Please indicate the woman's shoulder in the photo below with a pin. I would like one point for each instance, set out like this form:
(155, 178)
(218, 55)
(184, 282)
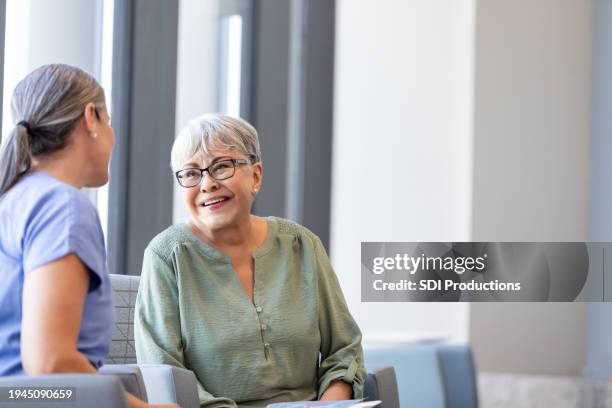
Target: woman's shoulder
(39, 195)
(295, 230)
(41, 187)
(166, 242)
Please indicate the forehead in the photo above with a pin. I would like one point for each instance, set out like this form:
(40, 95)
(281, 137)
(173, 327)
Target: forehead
(203, 159)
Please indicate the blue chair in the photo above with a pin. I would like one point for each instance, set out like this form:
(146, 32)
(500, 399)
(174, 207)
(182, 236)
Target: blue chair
(430, 375)
(458, 376)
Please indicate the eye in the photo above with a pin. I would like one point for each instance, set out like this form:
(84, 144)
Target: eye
(191, 173)
(222, 166)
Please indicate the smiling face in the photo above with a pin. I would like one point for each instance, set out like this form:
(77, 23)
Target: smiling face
(217, 204)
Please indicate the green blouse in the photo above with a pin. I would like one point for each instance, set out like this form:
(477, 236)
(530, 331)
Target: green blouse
(288, 344)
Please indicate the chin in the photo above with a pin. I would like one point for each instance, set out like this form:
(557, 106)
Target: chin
(215, 223)
(98, 181)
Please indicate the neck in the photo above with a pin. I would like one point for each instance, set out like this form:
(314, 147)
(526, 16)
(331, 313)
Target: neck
(240, 235)
(63, 166)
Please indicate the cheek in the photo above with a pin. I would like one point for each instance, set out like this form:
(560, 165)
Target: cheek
(240, 185)
(248, 196)
(242, 191)
(189, 196)
(111, 135)
(106, 142)
(109, 147)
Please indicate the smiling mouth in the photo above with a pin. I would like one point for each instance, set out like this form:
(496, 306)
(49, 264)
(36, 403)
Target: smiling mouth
(215, 201)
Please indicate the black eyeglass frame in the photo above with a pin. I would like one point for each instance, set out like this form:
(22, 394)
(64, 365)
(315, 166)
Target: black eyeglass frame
(234, 162)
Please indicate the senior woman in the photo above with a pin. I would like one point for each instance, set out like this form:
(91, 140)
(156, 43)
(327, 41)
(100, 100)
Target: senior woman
(251, 305)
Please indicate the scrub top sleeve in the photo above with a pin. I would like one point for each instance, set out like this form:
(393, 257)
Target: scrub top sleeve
(65, 223)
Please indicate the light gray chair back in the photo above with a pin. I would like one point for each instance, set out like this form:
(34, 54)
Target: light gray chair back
(125, 289)
(121, 361)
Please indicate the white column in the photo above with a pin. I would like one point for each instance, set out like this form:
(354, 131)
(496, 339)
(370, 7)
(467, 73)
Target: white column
(402, 145)
(531, 168)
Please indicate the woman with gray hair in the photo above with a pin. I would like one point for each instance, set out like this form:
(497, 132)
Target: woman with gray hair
(56, 313)
(251, 305)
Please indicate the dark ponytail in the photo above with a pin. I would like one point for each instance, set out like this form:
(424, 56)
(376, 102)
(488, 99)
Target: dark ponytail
(46, 105)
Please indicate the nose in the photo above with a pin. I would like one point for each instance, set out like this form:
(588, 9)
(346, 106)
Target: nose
(208, 184)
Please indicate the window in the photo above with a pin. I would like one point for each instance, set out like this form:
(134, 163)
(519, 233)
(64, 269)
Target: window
(73, 32)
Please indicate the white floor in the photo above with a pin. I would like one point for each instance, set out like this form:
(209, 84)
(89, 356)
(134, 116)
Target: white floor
(532, 391)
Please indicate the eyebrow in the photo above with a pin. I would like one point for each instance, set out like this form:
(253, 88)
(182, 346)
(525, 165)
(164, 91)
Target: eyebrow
(192, 165)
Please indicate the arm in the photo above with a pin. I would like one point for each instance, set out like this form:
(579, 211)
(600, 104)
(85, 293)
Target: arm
(157, 328)
(53, 300)
(337, 391)
(341, 372)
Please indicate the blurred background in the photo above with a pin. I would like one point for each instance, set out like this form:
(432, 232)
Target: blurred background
(387, 120)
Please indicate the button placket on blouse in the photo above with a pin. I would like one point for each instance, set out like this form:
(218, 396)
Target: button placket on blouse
(259, 311)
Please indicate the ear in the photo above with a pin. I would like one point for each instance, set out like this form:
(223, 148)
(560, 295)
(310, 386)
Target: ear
(257, 177)
(91, 118)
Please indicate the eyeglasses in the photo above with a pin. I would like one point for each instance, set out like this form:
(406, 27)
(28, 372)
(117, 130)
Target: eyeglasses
(221, 170)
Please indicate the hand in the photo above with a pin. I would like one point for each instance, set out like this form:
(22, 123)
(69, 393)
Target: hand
(338, 390)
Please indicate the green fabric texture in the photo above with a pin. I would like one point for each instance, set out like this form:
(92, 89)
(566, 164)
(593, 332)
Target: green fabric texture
(288, 344)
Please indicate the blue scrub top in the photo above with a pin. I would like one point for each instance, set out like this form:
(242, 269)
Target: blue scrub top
(43, 220)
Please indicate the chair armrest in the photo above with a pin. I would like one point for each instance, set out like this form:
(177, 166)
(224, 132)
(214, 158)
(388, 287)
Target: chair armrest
(130, 377)
(169, 384)
(381, 384)
(90, 390)
(417, 369)
(459, 376)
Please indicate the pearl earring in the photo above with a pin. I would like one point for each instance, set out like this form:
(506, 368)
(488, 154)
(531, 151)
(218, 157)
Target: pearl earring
(94, 135)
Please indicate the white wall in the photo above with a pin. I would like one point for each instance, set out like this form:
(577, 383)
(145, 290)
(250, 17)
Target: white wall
(40, 32)
(65, 31)
(532, 120)
(402, 144)
(529, 338)
(531, 168)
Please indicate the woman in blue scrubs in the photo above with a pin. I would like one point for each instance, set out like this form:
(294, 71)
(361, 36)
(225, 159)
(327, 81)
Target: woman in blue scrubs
(56, 313)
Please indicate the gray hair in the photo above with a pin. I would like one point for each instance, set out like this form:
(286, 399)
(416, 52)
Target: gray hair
(214, 131)
(45, 106)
